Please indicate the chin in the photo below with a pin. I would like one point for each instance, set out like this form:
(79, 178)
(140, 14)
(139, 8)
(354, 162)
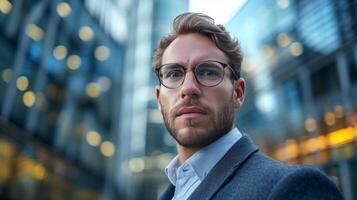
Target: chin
(190, 137)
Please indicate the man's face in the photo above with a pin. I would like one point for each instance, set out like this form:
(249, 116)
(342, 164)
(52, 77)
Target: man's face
(196, 115)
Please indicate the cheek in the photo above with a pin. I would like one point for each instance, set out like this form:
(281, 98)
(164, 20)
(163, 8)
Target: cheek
(220, 97)
(167, 102)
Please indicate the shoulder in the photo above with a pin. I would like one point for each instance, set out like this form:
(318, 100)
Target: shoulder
(261, 177)
(254, 178)
(305, 183)
(259, 165)
(246, 173)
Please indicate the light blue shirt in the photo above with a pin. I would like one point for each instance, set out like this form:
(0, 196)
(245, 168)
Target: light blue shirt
(191, 173)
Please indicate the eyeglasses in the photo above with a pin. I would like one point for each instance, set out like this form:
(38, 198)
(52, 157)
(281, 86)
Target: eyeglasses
(207, 73)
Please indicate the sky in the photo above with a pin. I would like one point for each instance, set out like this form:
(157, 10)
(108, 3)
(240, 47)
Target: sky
(220, 10)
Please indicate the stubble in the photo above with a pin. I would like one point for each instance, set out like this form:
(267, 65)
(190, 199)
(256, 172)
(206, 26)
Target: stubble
(200, 133)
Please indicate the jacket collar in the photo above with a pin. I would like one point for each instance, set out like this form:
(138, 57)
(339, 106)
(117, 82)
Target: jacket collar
(225, 168)
(221, 172)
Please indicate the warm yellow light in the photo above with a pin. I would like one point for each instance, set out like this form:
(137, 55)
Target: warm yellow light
(279, 154)
(310, 124)
(104, 83)
(73, 62)
(6, 149)
(29, 98)
(291, 148)
(92, 90)
(34, 32)
(93, 138)
(25, 166)
(107, 148)
(163, 159)
(340, 137)
(39, 172)
(330, 118)
(248, 65)
(22, 83)
(60, 52)
(64, 9)
(137, 165)
(86, 33)
(268, 51)
(296, 49)
(311, 145)
(6, 75)
(303, 147)
(283, 40)
(5, 6)
(339, 111)
(102, 53)
(314, 144)
(5, 173)
(321, 142)
(282, 3)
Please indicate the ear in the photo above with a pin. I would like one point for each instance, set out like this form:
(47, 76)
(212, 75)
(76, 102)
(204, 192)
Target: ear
(239, 92)
(157, 88)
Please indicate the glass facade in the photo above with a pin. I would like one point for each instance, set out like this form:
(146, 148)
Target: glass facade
(77, 106)
(300, 67)
(160, 147)
(60, 75)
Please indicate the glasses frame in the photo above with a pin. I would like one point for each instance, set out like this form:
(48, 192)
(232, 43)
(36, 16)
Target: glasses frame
(224, 65)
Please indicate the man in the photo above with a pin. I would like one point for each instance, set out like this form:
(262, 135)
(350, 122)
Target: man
(198, 66)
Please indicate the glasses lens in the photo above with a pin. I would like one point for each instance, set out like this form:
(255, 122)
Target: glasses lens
(209, 73)
(171, 75)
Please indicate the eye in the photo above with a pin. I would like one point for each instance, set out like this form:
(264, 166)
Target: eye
(173, 74)
(209, 71)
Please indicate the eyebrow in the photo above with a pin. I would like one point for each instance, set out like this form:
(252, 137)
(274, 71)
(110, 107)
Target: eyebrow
(194, 64)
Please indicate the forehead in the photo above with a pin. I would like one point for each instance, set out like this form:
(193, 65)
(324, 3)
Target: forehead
(192, 48)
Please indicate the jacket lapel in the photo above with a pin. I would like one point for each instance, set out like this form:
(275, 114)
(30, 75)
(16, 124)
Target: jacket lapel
(224, 169)
(169, 193)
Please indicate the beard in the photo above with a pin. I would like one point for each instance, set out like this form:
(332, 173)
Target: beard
(201, 133)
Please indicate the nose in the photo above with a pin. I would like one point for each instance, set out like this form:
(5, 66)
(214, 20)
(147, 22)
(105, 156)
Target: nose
(190, 87)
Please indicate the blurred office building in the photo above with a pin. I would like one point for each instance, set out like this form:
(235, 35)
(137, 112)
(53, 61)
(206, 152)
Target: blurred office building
(75, 88)
(151, 147)
(61, 78)
(301, 70)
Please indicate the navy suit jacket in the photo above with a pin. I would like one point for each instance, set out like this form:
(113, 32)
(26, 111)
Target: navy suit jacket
(245, 173)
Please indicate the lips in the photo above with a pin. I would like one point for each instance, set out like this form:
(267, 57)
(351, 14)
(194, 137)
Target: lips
(190, 110)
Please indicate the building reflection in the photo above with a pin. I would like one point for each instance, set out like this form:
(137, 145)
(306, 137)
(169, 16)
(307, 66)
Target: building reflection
(301, 68)
(74, 103)
(60, 72)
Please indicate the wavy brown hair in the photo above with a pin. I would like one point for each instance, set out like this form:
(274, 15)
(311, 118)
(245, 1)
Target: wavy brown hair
(202, 24)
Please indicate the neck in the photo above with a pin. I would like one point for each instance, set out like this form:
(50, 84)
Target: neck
(185, 153)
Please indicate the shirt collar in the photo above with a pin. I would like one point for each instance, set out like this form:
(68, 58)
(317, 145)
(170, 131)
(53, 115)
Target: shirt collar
(171, 170)
(205, 159)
